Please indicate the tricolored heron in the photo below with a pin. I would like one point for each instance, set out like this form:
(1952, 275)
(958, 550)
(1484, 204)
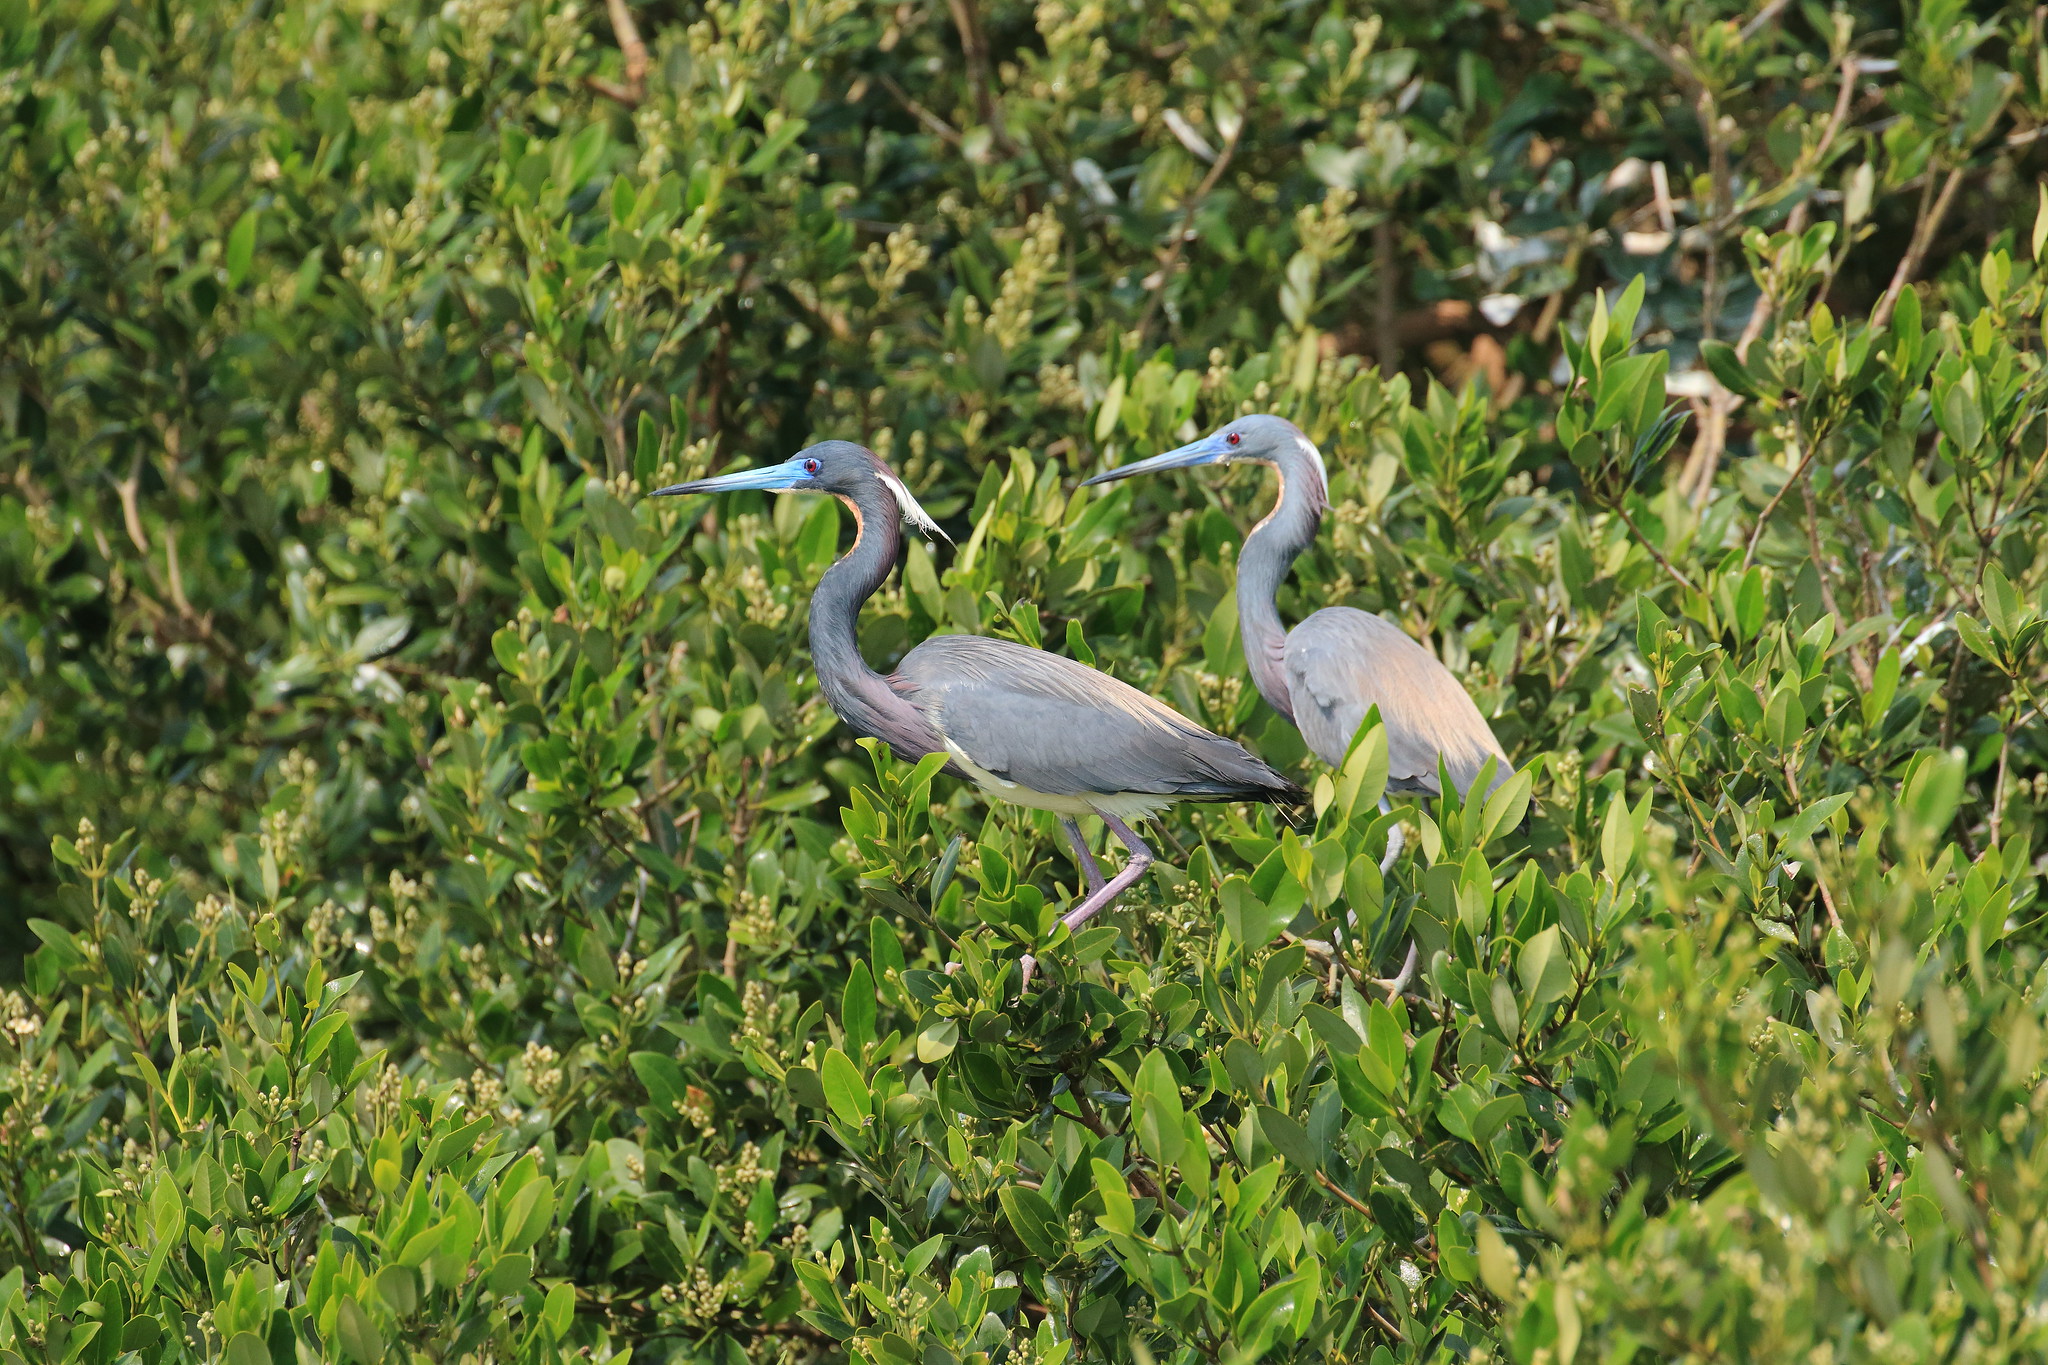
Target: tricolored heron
(1326, 673)
(1027, 727)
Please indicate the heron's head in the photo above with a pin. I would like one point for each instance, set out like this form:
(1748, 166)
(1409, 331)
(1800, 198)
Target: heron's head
(1261, 438)
(839, 467)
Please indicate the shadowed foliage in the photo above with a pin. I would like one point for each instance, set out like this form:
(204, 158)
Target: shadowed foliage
(441, 921)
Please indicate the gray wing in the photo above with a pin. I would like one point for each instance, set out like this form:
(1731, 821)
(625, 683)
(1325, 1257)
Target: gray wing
(1056, 726)
(1341, 662)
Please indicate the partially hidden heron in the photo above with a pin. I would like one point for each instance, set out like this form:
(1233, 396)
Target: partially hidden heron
(1027, 727)
(1326, 673)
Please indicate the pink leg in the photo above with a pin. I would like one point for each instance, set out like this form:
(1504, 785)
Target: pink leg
(1101, 898)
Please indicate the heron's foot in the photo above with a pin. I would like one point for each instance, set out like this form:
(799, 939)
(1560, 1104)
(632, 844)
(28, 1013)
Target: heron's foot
(1030, 966)
(1397, 839)
(1398, 982)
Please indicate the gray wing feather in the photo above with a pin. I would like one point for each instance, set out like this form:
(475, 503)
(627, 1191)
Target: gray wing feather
(1057, 726)
(1341, 662)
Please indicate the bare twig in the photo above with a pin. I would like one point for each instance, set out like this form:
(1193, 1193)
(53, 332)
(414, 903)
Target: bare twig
(1171, 258)
(1349, 1198)
(974, 47)
(1680, 579)
(1708, 110)
(1998, 794)
(1763, 518)
(1796, 222)
(1857, 663)
(1762, 18)
(919, 112)
(1140, 1179)
(1928, 224)
(1386, 339)
(178, 599)
(635, 53)
(131, 513)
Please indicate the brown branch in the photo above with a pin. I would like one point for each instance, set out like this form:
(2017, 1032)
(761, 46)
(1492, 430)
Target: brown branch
(1796, 223)
(1857, 663)
(1386, 340)
(1171, 258)
(1998, 792)
(1350, 1199)
(974, 47)
(635, 53)
(1763, 517)
(131, 513)
(1141, 1181)
(1761, 18)
(1655, 553)
(919, 112)
(1916, 250)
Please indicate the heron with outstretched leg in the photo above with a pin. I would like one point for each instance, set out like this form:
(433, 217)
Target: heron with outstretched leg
(1025, 726)
(1340, 662)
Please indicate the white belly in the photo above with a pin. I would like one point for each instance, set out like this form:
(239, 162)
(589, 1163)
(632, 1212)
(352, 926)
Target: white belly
(1125, 806)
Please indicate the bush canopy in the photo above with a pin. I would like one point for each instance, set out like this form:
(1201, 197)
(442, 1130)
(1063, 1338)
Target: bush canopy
(443, 922)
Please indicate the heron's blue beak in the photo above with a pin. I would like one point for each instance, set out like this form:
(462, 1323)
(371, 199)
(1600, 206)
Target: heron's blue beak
(773, 478)
(1209, 450)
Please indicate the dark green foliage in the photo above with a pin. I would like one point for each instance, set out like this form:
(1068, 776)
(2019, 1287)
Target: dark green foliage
(442, 921)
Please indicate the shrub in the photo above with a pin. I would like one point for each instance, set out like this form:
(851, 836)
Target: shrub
(451, 927)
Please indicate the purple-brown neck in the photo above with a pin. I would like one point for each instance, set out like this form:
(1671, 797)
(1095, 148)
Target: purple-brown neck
(856, 693)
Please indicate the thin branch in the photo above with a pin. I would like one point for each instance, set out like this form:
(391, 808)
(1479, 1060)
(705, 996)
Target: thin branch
(1171, 259)
(1620, 506)
(1857, 663)
(1796, 223)
(131, 513)
(1763, 518)
(1762, 18)
(1350, 1199)
(974, 47)
(1386, 337)
(919, 112)
(1998, 792)
(1916, 250)
(635, 53)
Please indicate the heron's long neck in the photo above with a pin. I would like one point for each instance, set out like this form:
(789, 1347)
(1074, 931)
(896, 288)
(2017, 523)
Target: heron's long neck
(857, 694)
(1268, 551)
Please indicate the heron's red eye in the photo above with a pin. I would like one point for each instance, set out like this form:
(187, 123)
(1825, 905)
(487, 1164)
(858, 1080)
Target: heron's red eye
(810, 466)
(1234, 438)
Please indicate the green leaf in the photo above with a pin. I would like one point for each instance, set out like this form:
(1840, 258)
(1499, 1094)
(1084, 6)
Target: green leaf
(1977, 640)
(1289, 1139)
(1726, 367)
(358, 1336)
(1119, 1214)
(246, 1348)
(845, 1091)
(1802, 826)
(1252, 922)
(1155, 1097)
(1497, 1264)
(559, 1311)
(1037, 1225)
(857, 1008)
(1544, 966)
(241, 249)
